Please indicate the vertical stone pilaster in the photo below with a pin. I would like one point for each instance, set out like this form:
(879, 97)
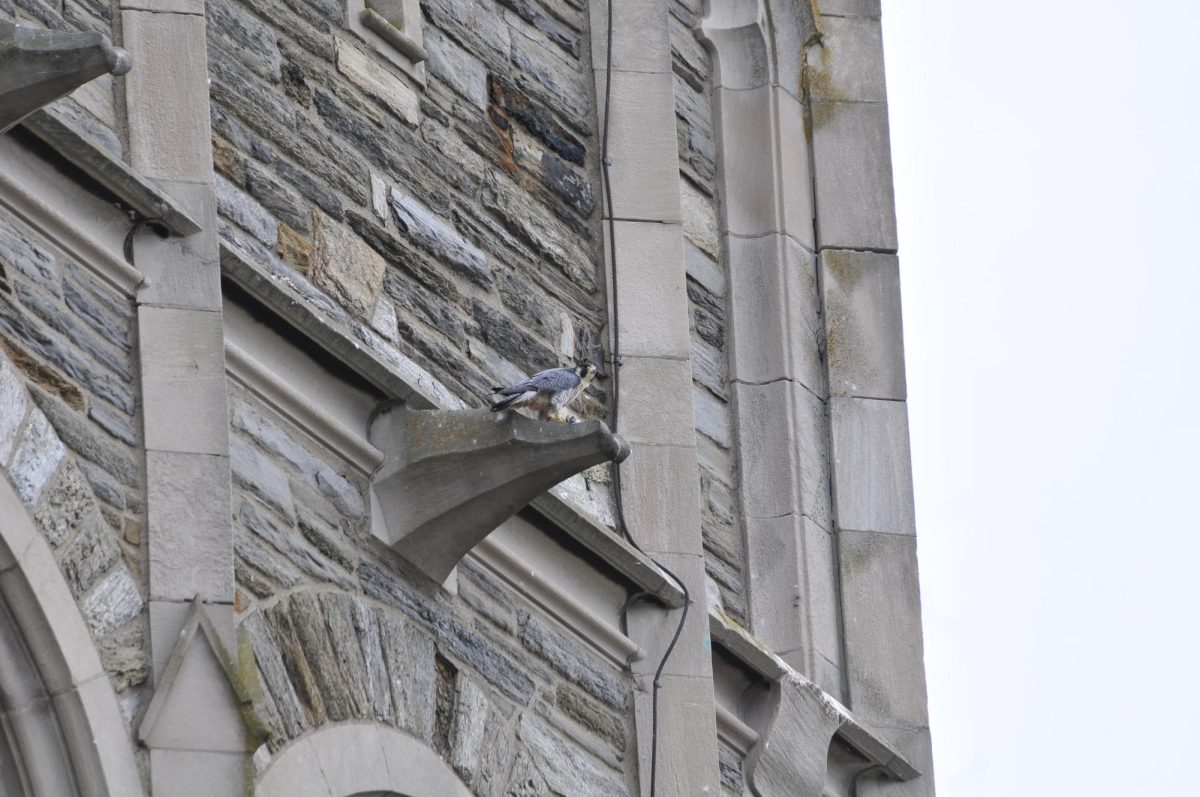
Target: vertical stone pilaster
(776, 332)
(868, 419)
(189, 535)
(660, 487)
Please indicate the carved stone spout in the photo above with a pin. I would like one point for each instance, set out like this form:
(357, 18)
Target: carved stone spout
(451, 477)
(39, 66)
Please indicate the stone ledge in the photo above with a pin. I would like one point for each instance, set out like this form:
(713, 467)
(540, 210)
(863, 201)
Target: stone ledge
(138, 192)
(758, 657)
(407, 381)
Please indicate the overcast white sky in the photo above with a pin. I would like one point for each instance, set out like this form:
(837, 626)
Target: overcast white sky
(1047, 162)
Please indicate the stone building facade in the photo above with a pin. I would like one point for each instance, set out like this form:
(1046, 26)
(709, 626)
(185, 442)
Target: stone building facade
(259, 270)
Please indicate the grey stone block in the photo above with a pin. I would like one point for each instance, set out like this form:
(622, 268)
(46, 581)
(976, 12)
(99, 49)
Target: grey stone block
(67, 505)
(392, 93)
(565, 768)
(114, 602)
(865, 347)
(872, 470)
(192, 773)
(775, 312)
(253, 41)
(570, 660)
(853, 176)
(555, 76)
(645, 170)
(92, 552)
(190, 536)
(460, 70)
(438, 238)
(847, 66)
(783, 450)
(14, 403)
(712, 416)
(36, 458)
(881, 610)
(366, 627)
(409, 656)
(183, 380)
(169, 134)
(469, 730)
(287, 545)
(243, 210)
(651, 289)
(257, 474)
(274, 674)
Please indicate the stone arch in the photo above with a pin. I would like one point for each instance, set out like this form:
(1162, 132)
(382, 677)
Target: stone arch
(62, 731)
(362, 759)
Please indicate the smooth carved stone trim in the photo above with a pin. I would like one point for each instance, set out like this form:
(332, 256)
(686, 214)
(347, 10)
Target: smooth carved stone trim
(39, 66)
(259, 380)
(795, 696)
(559, 604)
(62, 667)
(37, 210)
(451, 477)
(143, 196)
(198, 629)
(359, 758)
(735, 733)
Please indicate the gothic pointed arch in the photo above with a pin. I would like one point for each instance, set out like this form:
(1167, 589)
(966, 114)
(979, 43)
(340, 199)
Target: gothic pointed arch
(61, 731)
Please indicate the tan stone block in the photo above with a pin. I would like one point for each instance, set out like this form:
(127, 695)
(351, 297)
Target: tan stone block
(183, 380)
(652, 288)
(872, 466)
(347, 268)
(376, 80)
(190, 534)
(656, 402)
(641, 36)
(643, 147)
(662, 504)
(166, 96)
(865, 334)
(294, 249)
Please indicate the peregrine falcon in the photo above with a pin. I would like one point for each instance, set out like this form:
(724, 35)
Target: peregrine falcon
(547, 392)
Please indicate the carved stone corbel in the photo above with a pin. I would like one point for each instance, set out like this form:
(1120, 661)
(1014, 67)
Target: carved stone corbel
(39, 66)
(449, 478)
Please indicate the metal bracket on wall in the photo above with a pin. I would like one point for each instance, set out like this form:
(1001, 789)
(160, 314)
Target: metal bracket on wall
(450, 477)
(39, 66)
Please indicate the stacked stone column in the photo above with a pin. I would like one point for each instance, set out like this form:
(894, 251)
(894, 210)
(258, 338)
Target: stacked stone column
(660, 486)
(189, 539)
(868, 420)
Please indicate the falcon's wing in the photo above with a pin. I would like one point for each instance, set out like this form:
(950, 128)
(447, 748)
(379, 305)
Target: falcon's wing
(551, 381)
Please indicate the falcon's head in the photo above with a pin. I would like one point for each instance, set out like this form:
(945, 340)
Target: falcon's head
(586, 372)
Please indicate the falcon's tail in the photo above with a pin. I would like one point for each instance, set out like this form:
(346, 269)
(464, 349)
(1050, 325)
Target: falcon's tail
(505, 402)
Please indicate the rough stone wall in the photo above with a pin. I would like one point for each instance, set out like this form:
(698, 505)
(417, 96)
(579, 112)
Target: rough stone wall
(67, 357)
(458, 220)
(342, 629)
(706, 286)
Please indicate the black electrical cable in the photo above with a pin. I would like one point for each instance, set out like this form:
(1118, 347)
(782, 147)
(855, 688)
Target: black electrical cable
(616, 338)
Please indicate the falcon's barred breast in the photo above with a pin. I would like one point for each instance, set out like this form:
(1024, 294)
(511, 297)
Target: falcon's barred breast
(546, 392)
